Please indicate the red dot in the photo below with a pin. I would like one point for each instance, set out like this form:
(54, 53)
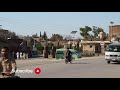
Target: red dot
(37, 70)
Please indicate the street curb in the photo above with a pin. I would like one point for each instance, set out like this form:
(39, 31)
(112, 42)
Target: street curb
(79, 58)
(53, 59)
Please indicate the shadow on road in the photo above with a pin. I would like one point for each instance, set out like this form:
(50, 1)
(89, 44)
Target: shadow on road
(115, 63)
(79, 63)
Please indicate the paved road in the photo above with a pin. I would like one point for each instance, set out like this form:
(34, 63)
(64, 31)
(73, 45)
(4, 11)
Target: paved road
(92, 67)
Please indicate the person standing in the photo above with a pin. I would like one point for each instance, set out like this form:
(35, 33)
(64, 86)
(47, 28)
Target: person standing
(18, 55)
(7, 64)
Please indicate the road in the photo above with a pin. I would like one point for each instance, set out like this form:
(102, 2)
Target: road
(90, 67)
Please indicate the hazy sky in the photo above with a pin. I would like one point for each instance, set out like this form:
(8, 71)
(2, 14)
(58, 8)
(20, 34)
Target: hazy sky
(28, 23)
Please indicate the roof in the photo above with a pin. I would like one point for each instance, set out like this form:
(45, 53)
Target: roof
(94, 42)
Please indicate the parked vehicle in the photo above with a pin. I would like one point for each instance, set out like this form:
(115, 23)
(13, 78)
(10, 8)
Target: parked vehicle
(60, 54)
(112, 53)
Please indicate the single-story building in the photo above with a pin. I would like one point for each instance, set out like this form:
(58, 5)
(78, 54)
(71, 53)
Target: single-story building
(93, 47)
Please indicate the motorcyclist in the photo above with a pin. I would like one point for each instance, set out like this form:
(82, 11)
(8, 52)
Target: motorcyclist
(68, 55)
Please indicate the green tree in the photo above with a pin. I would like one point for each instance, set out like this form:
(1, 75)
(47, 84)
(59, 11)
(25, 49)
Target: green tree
(96, 31)
(5, 34)
(44, 36)
(30, 41)
(40, 34)
(39, 46)
(50, 45)
(56, 37)
(84, 32)
(106, 36)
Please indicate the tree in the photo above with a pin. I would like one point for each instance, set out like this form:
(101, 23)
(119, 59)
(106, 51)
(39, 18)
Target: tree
(50, 45)
(84, 32)
(5, 34)
(44, 35)
(12, 35)
(90, 37)
(97, 30)
(39, 46)
(106, 36)
(56, 37)
(40, 34)
(30, 41)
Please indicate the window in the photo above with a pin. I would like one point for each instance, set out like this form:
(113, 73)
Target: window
(59, 52)
(113, 48)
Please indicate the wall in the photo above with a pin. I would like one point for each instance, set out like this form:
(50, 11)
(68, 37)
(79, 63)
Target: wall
(114, 31)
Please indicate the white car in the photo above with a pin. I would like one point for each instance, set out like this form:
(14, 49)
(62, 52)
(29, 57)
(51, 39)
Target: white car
(112, 53)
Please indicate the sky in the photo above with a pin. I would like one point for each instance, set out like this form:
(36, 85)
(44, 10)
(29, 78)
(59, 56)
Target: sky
(63, 23)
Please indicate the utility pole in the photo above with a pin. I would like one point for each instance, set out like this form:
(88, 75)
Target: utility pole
(73, 36)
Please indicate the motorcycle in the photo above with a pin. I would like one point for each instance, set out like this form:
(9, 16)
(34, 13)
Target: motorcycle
(68, 60)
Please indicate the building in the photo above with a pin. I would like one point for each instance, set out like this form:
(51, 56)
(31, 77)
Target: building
(38, 39)
(93, 47)
(114, 31)
(3, 31)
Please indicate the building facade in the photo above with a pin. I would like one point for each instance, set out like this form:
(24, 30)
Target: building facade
(114, 31)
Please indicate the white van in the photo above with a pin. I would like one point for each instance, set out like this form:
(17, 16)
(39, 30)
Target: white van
(112, 53)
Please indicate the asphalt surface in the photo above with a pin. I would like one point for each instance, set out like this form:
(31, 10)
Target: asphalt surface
(89, 67)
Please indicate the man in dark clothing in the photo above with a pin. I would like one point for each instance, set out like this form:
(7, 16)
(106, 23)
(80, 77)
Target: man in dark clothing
(68, 55)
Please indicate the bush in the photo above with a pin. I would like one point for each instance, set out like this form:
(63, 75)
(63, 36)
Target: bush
(39, 46)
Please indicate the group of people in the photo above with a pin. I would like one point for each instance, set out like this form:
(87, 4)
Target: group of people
(20, 55)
